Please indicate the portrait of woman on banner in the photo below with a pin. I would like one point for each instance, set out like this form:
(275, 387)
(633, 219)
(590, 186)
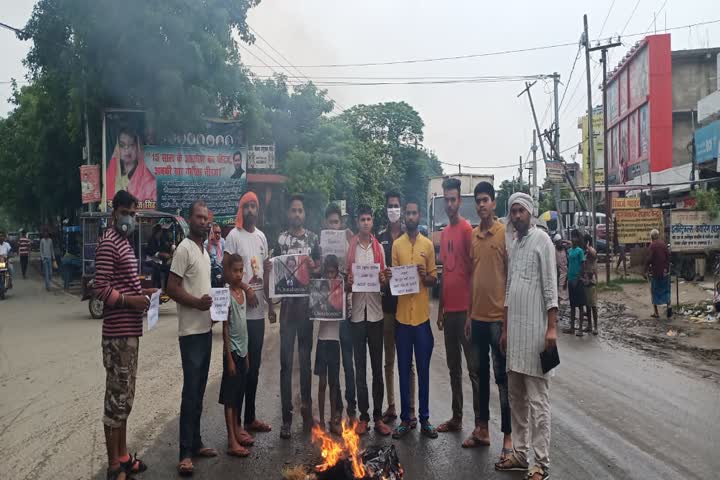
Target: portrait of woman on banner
(127, 170)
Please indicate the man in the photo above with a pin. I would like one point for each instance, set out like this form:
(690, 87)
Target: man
(561, 259)
(250, 243)
(117, 284)
(529, 328)
(5, 250)
(619, 250)
(160, 246)
(24, 245)
(576, 288)
(455, 240)
(389, 303)
(658, 267)
(295, 320)
(215, 245)
(47, 253)
(189, 286)
(237, 163)
(366, 324)
(487, 311)
(333, 221)
(413, 332)
(589, 274)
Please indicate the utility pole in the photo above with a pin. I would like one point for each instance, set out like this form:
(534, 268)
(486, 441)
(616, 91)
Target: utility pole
(520, 172)
(608, 211)
(535, 192)
(556, 141)
(591, 147)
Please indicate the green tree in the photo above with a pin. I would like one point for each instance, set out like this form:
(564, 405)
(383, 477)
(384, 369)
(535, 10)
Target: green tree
(503, 193)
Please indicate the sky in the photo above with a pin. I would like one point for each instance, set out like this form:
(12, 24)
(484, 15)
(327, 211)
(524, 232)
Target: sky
(480, 125)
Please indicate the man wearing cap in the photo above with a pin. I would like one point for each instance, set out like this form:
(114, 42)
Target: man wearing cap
(529, 328)
(251, 244)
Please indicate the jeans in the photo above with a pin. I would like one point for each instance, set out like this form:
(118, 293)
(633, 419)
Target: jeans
(456, 344)
(389, 334)
(368, 335)
(486, 338)
(294, 322)
(195, 351)
(47, 271)
(256, 338)
(346, 344)
(24, 265)
(420, 340)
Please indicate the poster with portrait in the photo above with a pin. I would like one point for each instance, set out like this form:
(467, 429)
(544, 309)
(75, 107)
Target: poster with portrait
(327, 299)
(124, 135)
(290, 276)
(90, 183)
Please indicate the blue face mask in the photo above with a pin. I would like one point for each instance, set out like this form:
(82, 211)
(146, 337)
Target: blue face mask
(126, 224)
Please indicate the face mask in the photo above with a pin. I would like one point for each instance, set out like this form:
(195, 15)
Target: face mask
(393, 214)
(126, 224)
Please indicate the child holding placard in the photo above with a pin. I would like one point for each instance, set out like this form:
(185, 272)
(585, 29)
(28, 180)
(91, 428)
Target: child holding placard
(235, 361)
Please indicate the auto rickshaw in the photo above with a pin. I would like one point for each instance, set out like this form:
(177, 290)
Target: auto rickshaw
(94, 224)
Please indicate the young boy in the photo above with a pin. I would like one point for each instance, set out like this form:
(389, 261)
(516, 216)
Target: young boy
(235, 360)
(327, 357)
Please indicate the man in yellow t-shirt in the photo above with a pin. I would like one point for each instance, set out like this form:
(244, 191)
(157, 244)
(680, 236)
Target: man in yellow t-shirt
(413, 330)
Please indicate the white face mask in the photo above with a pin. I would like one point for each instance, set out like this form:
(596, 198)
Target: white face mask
(393, 214)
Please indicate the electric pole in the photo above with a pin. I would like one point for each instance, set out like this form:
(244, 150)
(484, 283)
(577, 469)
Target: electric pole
(608, 211)
(556, 186)
(591, 147)
(535, 192)
(520, 172)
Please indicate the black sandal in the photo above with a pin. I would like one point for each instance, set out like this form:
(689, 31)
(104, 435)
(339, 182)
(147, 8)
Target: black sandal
(134, 465)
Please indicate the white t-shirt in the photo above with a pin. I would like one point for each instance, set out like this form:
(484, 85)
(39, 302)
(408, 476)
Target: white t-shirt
(328, 330)
(192, 264)
(5, 249)
(253, 247)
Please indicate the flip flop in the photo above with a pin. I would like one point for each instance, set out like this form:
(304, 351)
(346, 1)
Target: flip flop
(449, 426)
(511, 464)
(185, 468)
(239, 452)
(206, 452)
(473, 442)
(258, 426)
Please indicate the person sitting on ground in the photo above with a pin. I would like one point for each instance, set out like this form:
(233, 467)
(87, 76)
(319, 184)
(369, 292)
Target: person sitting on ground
(235, 360)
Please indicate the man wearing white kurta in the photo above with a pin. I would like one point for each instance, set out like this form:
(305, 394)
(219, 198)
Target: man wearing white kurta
(530, 327)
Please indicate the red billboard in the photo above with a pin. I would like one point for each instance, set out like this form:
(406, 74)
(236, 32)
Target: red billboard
(639, 107)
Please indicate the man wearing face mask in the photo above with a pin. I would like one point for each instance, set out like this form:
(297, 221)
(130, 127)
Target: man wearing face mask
(389, 306)
(118, 286)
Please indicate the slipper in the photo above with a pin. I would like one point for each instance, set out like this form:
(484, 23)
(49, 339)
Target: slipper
(239, 452)
(389, 417)
(258, 426)
(511, 464)
(185, 468)
(450, 426)
(413, 423)
(473, 442)
(206, 452)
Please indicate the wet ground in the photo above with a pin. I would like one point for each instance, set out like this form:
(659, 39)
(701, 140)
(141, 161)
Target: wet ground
(617, 412)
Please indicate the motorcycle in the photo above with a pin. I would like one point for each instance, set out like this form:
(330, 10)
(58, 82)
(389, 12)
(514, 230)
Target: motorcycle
(5, 280)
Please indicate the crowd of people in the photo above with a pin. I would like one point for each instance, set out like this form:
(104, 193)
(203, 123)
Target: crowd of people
(498, 304)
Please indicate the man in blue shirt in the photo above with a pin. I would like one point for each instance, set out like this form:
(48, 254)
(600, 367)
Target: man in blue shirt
(576, 288)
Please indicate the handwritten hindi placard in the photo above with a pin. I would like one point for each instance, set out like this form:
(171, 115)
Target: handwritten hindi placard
(405, 280)
(153, 311)
(220, 304)
(366, 278)
(334, 242)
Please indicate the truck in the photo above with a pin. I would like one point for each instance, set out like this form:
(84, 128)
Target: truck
(437, 218)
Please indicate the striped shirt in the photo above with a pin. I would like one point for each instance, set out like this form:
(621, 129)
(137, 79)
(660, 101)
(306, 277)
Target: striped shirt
(531, 292)
(116, 274)
(24, 247)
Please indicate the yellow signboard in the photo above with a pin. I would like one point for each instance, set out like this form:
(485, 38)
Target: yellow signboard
(599, 176)
(626, 203)
(634, 226)
(598, 144)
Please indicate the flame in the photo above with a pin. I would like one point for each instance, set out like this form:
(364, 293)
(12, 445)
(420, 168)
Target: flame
(332, 452)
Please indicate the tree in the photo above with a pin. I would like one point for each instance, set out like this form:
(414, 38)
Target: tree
(391, 123)
(503, 193)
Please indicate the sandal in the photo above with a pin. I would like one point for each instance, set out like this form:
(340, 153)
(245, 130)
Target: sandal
(428, 430)
(134, 465)
(205, 452)
(413, 423)
(473, 442)
(185, 468)
(389, 417)
(240, 452)
(511, 464)
(258, 426)
(452, 425)
(654, 316)
(537, 471)
(285, 431)
(401, 430)
(505, 453)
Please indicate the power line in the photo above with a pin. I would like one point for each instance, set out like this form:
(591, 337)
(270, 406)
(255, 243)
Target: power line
(474, 167)
(632, 14)
(567, 84)
(606, 18)
(655, 16)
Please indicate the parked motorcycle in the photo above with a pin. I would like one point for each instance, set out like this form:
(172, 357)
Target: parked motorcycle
(5, 280)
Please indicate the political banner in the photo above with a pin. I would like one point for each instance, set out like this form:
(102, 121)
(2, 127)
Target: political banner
(90, 183)
(123, 160)
(634, 226)
(290, 276)
(327, 299)
(694, 231)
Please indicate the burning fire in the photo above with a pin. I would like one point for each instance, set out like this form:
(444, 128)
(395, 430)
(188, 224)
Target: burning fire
(332, 452)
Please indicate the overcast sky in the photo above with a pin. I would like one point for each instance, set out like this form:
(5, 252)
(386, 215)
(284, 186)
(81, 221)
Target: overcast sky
(482, 125)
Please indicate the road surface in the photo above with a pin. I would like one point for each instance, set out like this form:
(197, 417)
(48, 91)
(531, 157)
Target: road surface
(616, 413)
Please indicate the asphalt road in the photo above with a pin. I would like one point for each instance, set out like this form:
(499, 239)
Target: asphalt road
(616, 413)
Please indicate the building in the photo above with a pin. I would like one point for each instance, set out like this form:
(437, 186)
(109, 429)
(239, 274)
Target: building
(598, 147)
(707, 136)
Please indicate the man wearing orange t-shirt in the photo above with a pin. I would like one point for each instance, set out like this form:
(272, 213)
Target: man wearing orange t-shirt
(454, 301)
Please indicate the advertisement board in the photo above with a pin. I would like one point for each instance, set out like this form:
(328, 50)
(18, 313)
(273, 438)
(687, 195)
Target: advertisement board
(634, 226)
(626, 203)
(90, 183)
(693, 231)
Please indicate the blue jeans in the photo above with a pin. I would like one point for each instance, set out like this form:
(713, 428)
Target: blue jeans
(420, 340)
(195, 352)
(47, 271)
(346, 344)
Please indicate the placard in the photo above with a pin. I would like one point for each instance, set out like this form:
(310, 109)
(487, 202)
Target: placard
(327, 299)
(693, 231)
(290, 276)
(366, 278)
(153, 313)
(405, 280)
(220, 304)
(334, 242)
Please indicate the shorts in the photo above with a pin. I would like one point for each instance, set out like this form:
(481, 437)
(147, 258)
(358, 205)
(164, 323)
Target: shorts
(232, 389)
(327, 359)
(120, 359)
(591, 295)
(576, 292)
